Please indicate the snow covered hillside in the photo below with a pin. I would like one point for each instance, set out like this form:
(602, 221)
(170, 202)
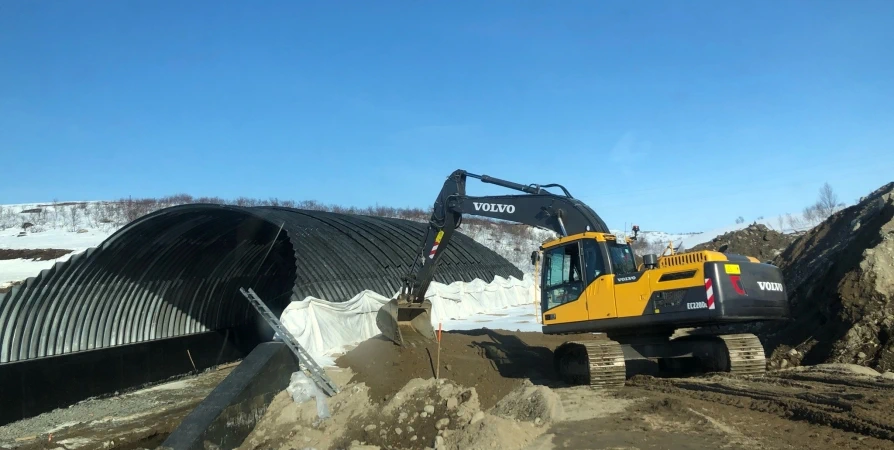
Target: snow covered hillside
(79, 225)
(74, 226)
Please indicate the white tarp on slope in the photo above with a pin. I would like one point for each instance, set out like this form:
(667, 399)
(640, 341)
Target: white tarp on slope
(324, 328)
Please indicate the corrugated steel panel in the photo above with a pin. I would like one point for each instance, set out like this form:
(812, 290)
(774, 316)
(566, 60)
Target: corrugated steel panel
(178, 272)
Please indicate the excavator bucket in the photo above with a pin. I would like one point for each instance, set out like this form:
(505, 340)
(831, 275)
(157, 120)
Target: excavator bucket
(406, 323)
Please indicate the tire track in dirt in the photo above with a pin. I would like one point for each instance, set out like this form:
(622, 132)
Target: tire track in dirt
(808, 378)
(854, 406)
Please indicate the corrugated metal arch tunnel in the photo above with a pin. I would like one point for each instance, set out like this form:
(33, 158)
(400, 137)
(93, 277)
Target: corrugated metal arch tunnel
(178, 271)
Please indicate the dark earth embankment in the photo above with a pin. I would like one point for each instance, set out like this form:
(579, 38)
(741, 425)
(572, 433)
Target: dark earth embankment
(840, 280)
(755, 240)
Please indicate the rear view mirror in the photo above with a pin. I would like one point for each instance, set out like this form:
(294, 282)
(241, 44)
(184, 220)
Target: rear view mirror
(535, 257)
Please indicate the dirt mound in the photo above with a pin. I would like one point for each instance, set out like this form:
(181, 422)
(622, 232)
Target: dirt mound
(495, 362)
(829, 406)
(40, 254)
(840, 279)
(423, 413)
(530, 403)
(286, 422)
(417, 415)
(755, 240)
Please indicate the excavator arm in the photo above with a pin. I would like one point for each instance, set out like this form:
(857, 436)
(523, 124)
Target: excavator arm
(563, 214)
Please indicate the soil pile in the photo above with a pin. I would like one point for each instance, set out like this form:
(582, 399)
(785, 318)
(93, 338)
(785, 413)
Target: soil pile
(840, 280)
(495, 362)
(829, 406)
(755, 240)
(424, 413)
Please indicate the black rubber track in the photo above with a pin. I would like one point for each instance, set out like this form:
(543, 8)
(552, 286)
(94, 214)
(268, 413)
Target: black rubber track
(178, 272)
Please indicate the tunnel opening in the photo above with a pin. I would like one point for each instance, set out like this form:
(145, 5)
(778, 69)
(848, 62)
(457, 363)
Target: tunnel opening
(179, 274)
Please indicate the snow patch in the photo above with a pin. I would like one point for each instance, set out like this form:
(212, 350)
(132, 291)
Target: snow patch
(60, 239)
(325, 329)
(515, 318)
(13, 270)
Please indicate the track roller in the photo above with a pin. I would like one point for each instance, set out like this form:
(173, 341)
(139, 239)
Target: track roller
(745, 354)
(597, 363)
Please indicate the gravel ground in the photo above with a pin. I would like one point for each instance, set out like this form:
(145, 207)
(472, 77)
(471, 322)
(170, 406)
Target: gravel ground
(138, 419)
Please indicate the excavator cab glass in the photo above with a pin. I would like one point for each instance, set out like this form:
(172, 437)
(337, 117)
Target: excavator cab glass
(593, 260)
(622, 258)
(562, 275)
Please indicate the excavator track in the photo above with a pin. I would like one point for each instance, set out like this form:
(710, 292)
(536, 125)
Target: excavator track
(745, 353)
(599, 363)
(739, 354)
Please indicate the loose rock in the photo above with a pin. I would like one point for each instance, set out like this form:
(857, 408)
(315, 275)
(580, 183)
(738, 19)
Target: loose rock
(841, 290)
(442, 423)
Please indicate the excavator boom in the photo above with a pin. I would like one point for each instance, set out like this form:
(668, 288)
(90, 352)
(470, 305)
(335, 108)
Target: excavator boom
(407, 317)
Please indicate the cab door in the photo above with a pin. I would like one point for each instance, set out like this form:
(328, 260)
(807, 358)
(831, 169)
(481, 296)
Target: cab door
(631, 286)
(600, 292)
(562, 285)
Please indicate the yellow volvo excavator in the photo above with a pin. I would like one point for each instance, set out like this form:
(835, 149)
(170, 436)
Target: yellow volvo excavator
(591, 283)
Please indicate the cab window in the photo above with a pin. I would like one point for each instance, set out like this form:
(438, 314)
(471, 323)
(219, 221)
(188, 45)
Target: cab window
(562, 275)
(593, 261)
(623, 261)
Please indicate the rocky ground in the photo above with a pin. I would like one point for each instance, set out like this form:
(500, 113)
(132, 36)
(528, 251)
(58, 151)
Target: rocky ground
(840, 281)
(829, 406)
(135, 420)
(825, 406)
(754, 240)
(839, 277)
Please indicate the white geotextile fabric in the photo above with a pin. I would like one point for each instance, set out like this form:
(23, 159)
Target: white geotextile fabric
(324, 328)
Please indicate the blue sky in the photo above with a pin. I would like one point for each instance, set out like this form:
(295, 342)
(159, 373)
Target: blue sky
(678, 115)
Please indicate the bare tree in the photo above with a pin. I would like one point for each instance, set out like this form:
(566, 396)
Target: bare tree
(809, 214)
(793, 221)
(55, 212)
(828, 200)
(74, 218)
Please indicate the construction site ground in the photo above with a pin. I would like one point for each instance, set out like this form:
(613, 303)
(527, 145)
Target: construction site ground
(390, 399)
(141, 419)
(497, 389)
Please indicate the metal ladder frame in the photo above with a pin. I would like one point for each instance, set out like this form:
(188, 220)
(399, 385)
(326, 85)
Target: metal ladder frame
(311, 368)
